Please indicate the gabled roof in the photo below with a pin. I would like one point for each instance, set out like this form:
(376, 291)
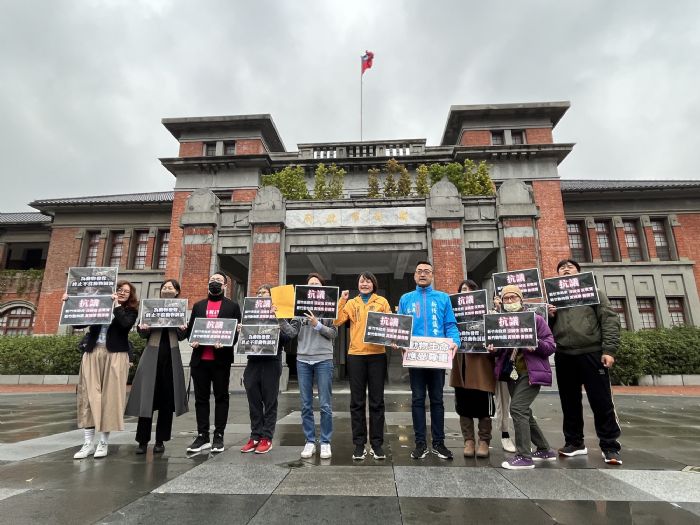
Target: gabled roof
(24, 218)
(591, 185)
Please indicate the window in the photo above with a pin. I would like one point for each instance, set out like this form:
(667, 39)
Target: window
(634, 247)
(676, 311)
(518, 137)
(577, 241)
(140, 251)
(229, 148)
(602, 231)
(658, 228)
(115, 254)
(163, 244)
(618, 305)
(497, 138)
(93, 241)
(647, 312)
(17, 321)
(210, 149)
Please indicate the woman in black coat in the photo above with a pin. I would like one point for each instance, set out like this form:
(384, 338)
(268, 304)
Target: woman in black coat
(159, 383)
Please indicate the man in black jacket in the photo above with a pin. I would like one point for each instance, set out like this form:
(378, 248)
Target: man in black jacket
(210, 366)
(587, 338)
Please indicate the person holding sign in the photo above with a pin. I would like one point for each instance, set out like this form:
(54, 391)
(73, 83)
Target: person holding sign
(366, 367)
(210, 366)
(432, 317)
(261, 380)
(159, 383)
(587, 339)
(474, 384)
(104, 368)
(525, 370)
(314, 359)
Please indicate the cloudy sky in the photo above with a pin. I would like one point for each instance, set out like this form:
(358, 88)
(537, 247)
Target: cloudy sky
(85, 83)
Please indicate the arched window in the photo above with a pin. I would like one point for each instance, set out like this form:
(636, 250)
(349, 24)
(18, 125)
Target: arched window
(17, 321)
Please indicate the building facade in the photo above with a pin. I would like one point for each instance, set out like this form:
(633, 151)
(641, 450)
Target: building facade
(636, 236)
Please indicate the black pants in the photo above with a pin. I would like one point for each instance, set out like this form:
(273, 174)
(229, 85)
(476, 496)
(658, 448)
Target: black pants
(164, 427)
(573, 371)
(367, 373)
(205, 375)
(261, 379)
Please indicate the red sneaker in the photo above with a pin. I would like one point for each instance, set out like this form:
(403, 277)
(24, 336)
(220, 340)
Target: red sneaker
(250, 446)
(264, 446)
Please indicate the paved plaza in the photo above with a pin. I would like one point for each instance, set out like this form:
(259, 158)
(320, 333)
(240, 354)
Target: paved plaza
(41, 483)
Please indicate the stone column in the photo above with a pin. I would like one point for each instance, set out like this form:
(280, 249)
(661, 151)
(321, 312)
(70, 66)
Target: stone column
(445, 214)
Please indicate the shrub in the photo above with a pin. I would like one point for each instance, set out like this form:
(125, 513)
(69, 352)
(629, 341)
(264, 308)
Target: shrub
(50, 355)
(657, 352)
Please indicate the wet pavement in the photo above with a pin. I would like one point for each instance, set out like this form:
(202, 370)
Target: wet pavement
(41, 483)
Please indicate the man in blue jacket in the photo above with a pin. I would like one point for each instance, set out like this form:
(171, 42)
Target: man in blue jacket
(432, 317)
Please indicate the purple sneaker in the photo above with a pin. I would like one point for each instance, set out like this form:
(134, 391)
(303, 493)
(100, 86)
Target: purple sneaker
(518, 462)
(544, 455)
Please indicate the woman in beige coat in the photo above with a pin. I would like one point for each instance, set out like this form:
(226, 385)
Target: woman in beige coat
(474, 383)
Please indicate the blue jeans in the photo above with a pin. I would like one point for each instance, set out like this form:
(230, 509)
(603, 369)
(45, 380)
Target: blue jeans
(323, 371)
(434, 381)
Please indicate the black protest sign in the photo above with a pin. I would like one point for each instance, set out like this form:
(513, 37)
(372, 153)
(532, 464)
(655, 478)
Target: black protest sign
(469, 306)
(258, 340)
(322, 301)
(163, 313)
(471, 333)
(83, 310)
(208, 332)
(91, 281)
(258, 311)
(527, 280)
(538, 308)
(572, 290)
(511, 330)
(387, 329)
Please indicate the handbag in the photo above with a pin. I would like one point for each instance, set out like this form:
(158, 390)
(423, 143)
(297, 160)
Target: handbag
(508, 372)
(83, 343)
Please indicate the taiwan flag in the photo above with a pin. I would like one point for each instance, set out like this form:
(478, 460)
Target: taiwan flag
(367, 61)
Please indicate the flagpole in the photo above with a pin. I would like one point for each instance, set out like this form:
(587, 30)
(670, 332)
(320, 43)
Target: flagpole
(361, 86)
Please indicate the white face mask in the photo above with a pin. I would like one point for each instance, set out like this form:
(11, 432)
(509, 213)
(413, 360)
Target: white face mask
(512, 307)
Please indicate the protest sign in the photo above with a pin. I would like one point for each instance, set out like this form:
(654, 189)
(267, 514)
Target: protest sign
(387, 329)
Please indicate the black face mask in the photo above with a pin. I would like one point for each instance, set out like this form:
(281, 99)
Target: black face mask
(216, 288)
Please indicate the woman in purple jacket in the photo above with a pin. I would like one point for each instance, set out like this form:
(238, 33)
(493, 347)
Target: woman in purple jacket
(525, 370)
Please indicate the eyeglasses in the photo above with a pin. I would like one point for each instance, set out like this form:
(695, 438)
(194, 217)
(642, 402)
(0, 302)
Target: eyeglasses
(124, 290)
(511, 298)
(423, 272)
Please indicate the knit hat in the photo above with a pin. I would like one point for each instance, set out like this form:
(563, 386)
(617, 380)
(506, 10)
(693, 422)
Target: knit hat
(511, 288)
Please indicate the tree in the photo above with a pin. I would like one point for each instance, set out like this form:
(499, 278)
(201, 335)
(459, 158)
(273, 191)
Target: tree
(477, 180)
(320, 185)
(291, 181)
(390, 189)
(336, 185)
(422, 182)
(373, 183)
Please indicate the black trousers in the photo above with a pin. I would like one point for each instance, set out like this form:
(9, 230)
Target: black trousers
(574, 371)
(164, 427)
(205, 376)
(367, 373)
(261, 379)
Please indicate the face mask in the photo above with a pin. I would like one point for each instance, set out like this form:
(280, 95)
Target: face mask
(215, 288)
(512, 307)
(168, 294)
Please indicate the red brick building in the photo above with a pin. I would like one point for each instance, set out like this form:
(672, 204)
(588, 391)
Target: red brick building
(637, 236)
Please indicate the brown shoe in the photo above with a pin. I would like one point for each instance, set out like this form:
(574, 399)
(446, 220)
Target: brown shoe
(483, 450)
(469, 449)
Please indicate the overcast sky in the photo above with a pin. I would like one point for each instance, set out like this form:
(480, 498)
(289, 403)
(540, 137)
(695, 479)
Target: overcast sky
(84, 84)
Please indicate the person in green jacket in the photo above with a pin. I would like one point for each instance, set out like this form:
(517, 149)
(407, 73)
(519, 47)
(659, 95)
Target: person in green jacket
(587, 338)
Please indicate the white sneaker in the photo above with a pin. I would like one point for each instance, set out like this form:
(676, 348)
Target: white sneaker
(88, 449)
(325, 450)
(309, 450)
(101, 450)
(507, 444)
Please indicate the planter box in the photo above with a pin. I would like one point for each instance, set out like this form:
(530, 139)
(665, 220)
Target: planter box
(9, 379)
(670, 380)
